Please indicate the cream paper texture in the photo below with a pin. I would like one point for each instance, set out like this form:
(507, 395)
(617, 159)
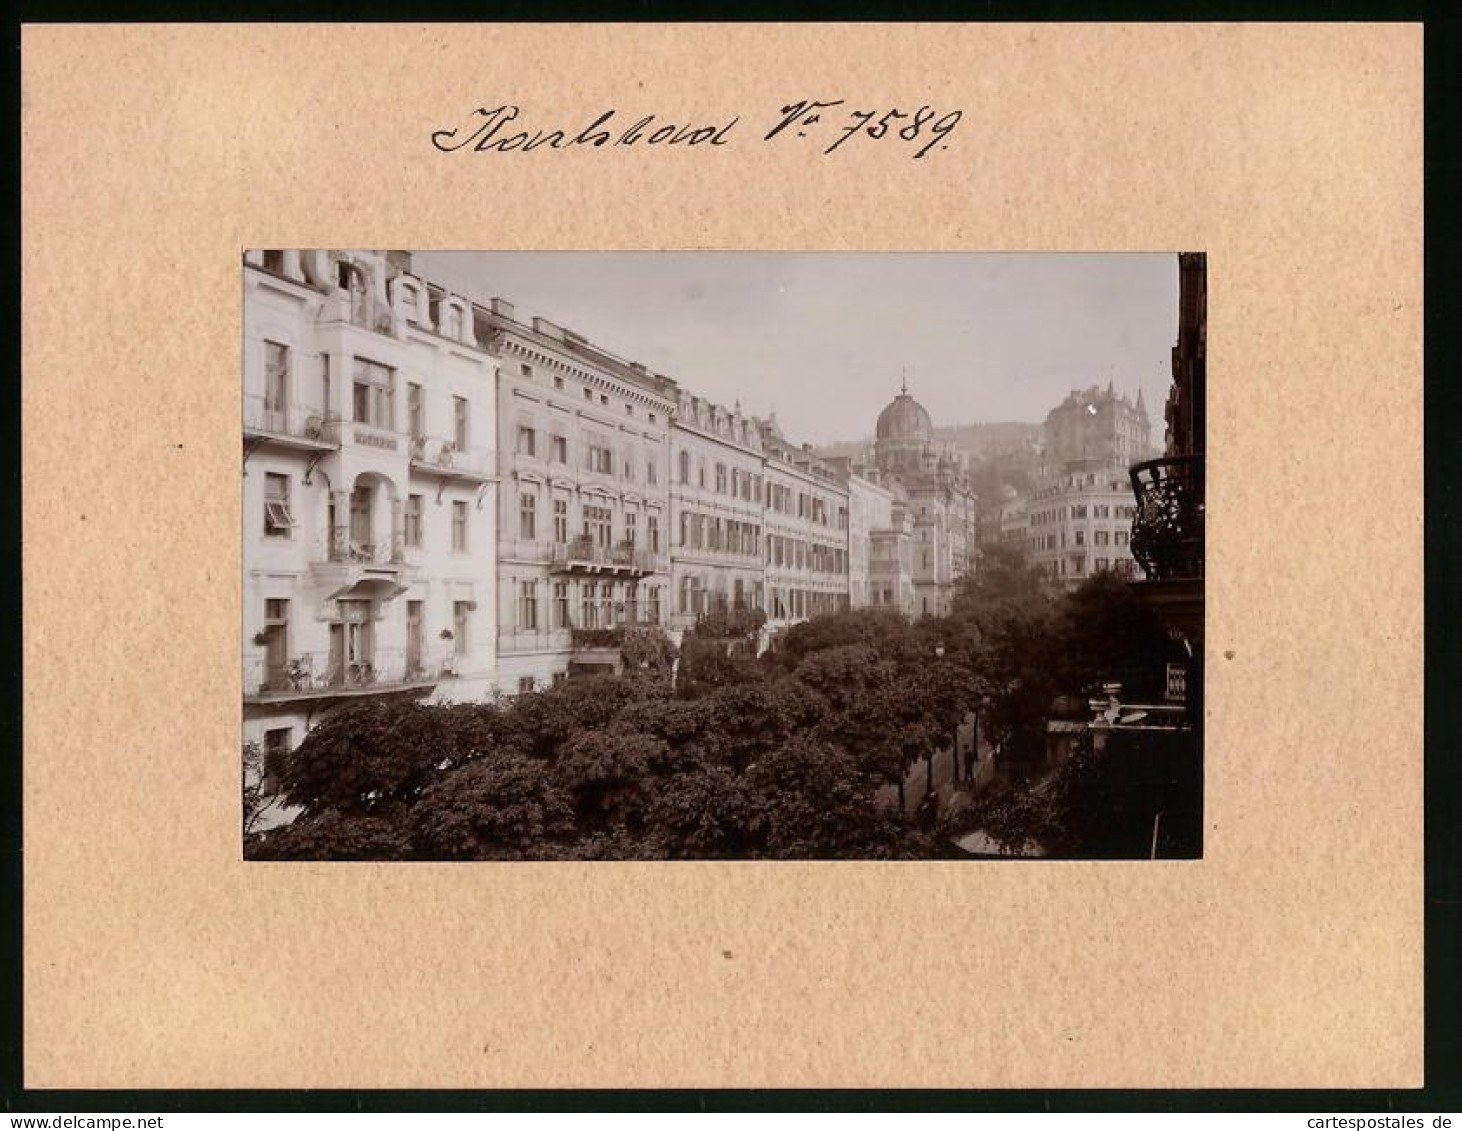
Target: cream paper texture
(1290, 956)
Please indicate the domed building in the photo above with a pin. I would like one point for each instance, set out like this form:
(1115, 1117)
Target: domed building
(932, 481)
(903, 435)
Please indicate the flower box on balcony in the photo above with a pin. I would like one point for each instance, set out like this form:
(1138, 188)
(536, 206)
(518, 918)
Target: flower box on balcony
(597, 637)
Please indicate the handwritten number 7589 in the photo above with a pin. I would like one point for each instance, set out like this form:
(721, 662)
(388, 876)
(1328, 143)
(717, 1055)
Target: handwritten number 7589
(805, 115)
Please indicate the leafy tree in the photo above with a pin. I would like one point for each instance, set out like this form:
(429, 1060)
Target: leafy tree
(500, 808)
(886, 631)
(709, 663)
(743, 721)
(681, 724)
(844, 673)
(369, 756)
(330, 835)
(1012, 614)
(704, 814)
(1107, 633)
(256, 794)
(647, 650)
(539, 722)
(614, 843)
(813, 801)
(608, 773)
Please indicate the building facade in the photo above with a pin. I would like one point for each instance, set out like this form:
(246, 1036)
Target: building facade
(1079, 523)
(1097, 427)
(584, 514)
(717, 482)
(367, 492)
(932, 479)
(806, 508)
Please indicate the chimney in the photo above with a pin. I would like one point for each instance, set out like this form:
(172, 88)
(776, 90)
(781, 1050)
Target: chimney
(502, 306)
(547, 329)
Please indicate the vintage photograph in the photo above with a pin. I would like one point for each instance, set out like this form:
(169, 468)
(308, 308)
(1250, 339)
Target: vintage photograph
(722, 555)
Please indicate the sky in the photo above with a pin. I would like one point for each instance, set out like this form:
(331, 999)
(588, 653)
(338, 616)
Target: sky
(824, 339)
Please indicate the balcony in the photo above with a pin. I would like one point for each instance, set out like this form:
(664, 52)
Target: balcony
(444, 459)
(729, 623)
(302, 427)
(582, 639)
(584, 555)
(318, 675)
(366, 570)
(1167, 540)
(1167, 532)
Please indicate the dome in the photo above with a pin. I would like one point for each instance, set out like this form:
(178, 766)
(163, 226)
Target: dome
(905, 419)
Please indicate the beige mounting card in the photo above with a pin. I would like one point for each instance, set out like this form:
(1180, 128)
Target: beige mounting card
(1290, 956)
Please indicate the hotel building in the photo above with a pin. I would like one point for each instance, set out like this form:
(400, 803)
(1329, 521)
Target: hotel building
(367, 490)
(806, 522)
(1078, 520)
(584, 516)
(717, 483)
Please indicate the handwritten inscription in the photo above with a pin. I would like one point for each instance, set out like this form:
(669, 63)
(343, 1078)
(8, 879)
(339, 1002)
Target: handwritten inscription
(804, 115)
(501, 129)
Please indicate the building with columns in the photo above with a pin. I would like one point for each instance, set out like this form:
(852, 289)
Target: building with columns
(368, 501)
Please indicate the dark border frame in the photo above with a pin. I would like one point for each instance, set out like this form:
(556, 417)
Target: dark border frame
(1443, 558)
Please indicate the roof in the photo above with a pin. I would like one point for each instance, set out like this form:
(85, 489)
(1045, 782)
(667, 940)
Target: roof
(905, 419)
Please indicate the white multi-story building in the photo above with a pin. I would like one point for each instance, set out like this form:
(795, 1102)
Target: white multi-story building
(880, 544)
(806, 528)
(870, 508)
(716, 491)
(369, 565)
(1078, 523)
(584, 518)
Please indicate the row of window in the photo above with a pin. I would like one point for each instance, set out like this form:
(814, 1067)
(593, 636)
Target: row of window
(601, 604)
(1099, 538)
(1083, 510)
(697, 597)
(1122, 567)
(596, 523)
(722, 535)
(589, 393)
(598, 454)
(752, 488)
(796, 553)
(723, 479)
(351, 637)
(373, 396)
(280, 522)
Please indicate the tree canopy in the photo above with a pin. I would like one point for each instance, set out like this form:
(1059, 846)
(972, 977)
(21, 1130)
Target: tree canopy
(786, 755)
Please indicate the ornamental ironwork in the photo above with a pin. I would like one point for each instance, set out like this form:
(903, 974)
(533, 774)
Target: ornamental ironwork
(1167, 530)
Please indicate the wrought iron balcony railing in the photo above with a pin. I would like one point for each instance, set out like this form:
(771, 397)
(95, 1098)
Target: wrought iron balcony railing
(1167, 532)
(585, 552)
(300, 422)
(444, 457)
(309, 674)
(329, 549)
